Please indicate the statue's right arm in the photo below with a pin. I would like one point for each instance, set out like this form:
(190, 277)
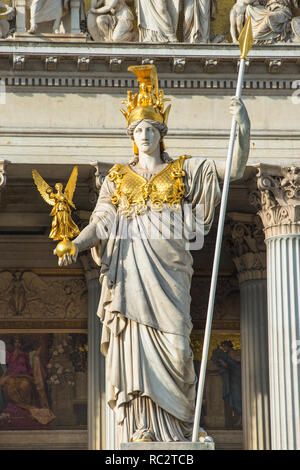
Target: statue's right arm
(100, 225)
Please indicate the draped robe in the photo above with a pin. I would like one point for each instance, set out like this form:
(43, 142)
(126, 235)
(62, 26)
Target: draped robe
(271, 22)
(157, 19)
(145, 310)
(46, 10)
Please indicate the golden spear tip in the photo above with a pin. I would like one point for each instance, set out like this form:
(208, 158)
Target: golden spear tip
(246, 39)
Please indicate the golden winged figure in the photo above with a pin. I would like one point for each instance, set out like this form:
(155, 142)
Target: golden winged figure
(63, 227)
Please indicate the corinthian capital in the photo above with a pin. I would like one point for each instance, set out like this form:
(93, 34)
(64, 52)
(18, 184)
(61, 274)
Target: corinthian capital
(245, 242)
(279, 205)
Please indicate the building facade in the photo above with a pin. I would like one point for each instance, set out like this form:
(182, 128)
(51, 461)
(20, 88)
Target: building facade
(60, 94)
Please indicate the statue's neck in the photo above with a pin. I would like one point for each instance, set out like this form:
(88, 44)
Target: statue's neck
(149, 162)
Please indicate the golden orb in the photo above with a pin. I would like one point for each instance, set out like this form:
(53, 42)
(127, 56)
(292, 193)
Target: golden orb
(65, 247)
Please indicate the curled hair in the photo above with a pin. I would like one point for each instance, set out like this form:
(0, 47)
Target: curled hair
(161, 126)
(163, 131)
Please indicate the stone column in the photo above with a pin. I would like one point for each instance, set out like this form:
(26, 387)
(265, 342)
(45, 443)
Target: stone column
(20, 6)
(75, 16)
(246, 244)
(96, 362)
(279, 198)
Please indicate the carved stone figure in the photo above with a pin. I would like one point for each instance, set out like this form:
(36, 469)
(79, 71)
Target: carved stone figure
(162, 21)
(146, 269)
(237, 18)
(4, 23)
(111, 21)
(27, 295)
(47, 10)
(197, 16)
(271, 19)
(158, 20)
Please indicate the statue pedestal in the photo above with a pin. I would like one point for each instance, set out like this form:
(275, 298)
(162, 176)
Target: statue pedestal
(167, 446)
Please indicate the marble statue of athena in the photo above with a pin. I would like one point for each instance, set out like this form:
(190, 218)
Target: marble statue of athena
(145, 295)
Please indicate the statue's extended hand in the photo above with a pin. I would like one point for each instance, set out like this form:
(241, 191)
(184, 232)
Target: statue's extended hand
(239, 111)
(67, 259)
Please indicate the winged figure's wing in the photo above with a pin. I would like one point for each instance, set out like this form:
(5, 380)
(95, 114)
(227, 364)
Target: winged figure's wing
(70, 188)
(5, 282)
(42, 187)
(34, 283)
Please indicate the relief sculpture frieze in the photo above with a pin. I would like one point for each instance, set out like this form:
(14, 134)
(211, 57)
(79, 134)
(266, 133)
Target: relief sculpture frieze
(26, 295)
(157, 21)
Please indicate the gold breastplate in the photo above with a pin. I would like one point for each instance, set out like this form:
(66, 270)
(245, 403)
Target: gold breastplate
(133, 191)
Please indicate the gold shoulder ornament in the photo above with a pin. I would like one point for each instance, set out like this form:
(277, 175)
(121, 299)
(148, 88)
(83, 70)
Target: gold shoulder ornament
(63, 227)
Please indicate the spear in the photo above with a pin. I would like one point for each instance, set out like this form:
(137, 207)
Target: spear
(246, 42)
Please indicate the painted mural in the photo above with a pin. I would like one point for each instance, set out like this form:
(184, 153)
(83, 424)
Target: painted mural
(222, 401)
(43, 381)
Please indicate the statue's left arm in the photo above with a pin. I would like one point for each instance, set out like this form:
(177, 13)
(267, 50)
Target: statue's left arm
(242, 143)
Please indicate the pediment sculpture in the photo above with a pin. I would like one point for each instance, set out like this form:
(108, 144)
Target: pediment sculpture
(272, 21)
(5, 16)
(160, 21)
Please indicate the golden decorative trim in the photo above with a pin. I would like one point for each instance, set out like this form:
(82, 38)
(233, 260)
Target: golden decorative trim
(149, 102)
(143, 440)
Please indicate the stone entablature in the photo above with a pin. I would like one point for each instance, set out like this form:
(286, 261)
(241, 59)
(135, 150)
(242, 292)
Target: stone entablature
(183, 67)
(278, 199)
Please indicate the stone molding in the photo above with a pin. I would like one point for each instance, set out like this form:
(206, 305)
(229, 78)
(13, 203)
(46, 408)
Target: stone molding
(244, 240)
(197, 67)
(187, 85)
(278, 199)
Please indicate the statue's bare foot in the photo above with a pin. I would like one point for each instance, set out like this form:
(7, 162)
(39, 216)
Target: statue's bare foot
(32, 30)
(172, 38)
(143, 435)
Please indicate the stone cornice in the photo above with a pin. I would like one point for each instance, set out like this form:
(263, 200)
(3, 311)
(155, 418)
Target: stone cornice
(244, 240)
(278, 199)
(63, 46)
(182, 67)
